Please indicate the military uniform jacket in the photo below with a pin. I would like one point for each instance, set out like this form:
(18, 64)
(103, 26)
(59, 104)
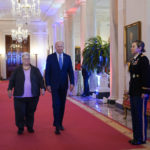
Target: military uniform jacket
(139, 75)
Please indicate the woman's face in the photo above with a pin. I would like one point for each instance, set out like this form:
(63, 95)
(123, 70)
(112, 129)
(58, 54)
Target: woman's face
(135, 49)
(26, 60)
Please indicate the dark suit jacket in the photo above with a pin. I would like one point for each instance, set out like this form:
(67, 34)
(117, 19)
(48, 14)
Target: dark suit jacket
(56, 77)
(17, 81)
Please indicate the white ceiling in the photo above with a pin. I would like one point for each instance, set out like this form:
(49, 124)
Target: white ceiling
(48, 8)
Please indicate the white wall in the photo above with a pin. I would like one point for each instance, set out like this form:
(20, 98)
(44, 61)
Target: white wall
(136, 11)
(131, 11)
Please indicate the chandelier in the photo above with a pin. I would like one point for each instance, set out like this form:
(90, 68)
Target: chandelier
(26, 9)
(20, 34)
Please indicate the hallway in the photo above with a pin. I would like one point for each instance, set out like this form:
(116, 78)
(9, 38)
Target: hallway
(85, 128)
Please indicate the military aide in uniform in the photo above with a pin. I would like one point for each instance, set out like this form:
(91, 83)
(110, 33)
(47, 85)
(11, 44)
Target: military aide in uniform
(138, 91)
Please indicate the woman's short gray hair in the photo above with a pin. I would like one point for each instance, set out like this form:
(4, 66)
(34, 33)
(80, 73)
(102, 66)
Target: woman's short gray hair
(25, 54)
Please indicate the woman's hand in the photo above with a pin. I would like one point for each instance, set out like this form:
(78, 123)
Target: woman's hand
(42, 91)
(71, 87)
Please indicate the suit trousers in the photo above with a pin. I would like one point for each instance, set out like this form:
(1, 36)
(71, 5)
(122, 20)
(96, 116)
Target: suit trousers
(24, 111)
(59, 100)
(86, 85)
(139, 119)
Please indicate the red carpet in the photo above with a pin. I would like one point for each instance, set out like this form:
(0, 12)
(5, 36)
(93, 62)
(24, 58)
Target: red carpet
(82, 130)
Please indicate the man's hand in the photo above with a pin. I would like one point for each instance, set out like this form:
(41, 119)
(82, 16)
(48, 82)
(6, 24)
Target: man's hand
(49, 89)
(144, 95)
(9, 93)
(71, 87)
(42, 91)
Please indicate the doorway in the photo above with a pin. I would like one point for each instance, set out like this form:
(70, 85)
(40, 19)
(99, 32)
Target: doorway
(14, 52)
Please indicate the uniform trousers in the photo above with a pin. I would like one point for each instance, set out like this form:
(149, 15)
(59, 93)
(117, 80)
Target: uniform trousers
(139, 119)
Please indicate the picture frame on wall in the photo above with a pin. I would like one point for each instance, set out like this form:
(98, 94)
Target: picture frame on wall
(132, 32)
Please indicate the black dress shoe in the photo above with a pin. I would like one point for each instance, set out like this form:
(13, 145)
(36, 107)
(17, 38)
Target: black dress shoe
(143, 142)
(83, 95)
(20, 131)
(30, 130)
(57, 131)
(135, 142)
(61, 128)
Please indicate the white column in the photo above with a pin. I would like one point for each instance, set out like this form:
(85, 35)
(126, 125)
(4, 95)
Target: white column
(121, 64)
(3, 55)
(113, 50)
(83, 25)
(50, 39)
(91, 18)
(62, 31)
(69, 36)
(147, 28)
(58, 32)
(70, 42)
(91, 32)
(54, 36)
(66, 32)
(98, 28)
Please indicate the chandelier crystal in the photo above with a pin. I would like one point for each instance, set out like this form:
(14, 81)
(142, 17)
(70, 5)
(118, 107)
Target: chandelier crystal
(26, 9)
(20, 34)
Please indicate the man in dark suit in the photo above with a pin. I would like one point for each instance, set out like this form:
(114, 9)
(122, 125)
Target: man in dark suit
(58, 68)
(86, 74)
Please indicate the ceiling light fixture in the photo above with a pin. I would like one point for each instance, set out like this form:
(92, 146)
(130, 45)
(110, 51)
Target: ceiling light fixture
(20, 34)
(26, 9)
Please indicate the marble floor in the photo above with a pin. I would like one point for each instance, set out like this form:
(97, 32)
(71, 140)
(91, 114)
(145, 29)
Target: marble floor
(109, 110)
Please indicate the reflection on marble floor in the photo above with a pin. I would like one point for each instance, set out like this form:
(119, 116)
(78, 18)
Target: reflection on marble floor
(109, 110)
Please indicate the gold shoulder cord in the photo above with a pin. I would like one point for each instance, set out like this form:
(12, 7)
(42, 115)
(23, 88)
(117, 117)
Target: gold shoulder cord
(145, 88)
(142, 55)
(128, 65)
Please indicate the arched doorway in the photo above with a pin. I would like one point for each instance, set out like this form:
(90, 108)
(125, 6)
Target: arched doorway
(14, 52)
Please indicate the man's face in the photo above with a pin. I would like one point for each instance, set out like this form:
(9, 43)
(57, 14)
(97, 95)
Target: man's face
(26, 60)
(59, 47)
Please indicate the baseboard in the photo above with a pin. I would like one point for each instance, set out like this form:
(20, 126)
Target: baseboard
(119, 106)
(111, 101)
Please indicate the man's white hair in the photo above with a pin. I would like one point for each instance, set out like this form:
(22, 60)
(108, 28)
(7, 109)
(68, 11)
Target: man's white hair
(25, 54)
